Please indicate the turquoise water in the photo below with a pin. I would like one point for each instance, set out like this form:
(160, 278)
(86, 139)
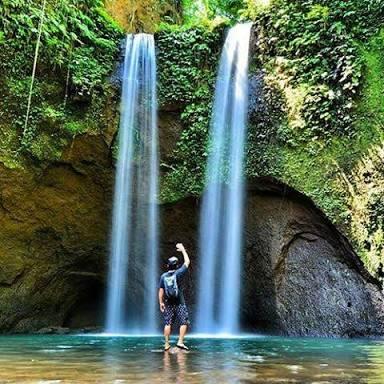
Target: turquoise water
(97, 359)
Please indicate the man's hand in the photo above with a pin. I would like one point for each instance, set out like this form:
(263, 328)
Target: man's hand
(180, 247)
(162, 307)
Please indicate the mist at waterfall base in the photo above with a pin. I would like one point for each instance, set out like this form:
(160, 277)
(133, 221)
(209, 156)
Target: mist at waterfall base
(221, 218)
(132, 280)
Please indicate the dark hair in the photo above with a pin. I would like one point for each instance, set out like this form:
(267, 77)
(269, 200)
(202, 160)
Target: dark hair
(172, 263)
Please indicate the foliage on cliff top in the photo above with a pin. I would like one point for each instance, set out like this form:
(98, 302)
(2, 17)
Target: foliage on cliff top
(315, 46)
(326, 58)
(77, 51)
(144, 15)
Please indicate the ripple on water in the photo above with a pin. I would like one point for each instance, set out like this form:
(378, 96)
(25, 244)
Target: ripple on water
(294, 368)
(252, 358)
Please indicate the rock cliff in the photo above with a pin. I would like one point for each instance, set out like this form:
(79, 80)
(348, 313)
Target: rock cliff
(54, 237)
(301, 276)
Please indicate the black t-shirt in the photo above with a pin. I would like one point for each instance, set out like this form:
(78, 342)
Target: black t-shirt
(180, 273)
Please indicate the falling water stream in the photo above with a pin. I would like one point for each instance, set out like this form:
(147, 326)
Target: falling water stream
(222, 207)
(134, 244)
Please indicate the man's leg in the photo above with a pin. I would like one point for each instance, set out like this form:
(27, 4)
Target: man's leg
(182, 313)
(183, 331)
(167, 332)
(168, 319)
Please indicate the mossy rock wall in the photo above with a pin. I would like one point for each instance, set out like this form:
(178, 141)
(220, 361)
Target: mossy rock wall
(315, 125)
(54, 236)
(337, 164)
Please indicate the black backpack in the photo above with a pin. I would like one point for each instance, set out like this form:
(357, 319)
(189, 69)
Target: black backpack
(170, 284)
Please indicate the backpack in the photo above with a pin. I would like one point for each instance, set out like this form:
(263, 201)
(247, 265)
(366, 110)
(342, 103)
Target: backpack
(171, 288)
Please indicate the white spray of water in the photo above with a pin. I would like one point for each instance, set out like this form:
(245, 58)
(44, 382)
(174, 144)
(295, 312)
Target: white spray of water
(221, 219)
(131, 306)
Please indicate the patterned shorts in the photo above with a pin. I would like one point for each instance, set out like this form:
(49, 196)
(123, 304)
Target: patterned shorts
(176, 314)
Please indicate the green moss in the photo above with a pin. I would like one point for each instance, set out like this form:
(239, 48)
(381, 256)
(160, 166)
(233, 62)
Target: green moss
(344, 177)
(76, 127)
(316, 176)
(372, 103)
(78, 51)
(187, 61)
(47, 147)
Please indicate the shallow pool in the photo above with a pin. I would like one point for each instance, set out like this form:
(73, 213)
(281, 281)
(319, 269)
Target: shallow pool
(100, 359)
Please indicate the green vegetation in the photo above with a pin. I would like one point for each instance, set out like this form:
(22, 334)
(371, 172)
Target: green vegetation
(364, 180)
(318, 65)
(77, 52)
(326, 60)
(320, 124)
(187, 67)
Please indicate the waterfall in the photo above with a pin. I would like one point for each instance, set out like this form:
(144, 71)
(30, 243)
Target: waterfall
(132, 281)
(221, 219)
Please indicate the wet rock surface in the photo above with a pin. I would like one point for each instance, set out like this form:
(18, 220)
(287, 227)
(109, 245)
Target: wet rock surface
(54, 238)
(301, 275)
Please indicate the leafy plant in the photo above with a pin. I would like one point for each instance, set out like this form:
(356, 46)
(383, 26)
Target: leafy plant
(78, 49)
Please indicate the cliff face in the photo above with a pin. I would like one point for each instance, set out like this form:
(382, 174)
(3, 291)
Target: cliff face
(54, 237)
(316, 125)
(301, 277)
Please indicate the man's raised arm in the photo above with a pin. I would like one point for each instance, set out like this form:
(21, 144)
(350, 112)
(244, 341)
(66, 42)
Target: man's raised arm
(180, 248)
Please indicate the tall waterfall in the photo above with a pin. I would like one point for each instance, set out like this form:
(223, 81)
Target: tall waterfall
(221, 218)
(131, 306)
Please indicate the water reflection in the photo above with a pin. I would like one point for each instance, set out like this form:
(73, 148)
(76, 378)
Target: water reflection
(71, 359)
(174, 365)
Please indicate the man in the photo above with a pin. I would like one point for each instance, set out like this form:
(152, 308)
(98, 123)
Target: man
(171, 298)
